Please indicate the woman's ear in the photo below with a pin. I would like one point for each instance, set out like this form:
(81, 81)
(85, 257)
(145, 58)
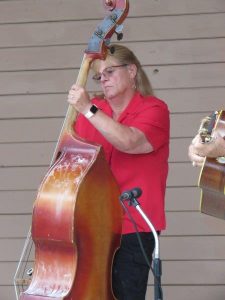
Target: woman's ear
(132, 68)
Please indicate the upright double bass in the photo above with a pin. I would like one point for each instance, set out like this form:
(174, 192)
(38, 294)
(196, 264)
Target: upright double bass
(76, 222)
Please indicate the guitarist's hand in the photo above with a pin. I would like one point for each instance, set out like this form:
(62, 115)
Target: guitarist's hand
(193, 152)
(198, 150)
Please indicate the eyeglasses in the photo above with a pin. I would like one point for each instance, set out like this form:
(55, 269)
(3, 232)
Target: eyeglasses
(107, 72)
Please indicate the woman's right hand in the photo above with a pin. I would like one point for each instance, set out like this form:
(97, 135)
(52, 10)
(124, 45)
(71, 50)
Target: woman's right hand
(79, 99)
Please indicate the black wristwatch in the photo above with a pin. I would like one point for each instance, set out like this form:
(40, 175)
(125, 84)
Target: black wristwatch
(91, 112)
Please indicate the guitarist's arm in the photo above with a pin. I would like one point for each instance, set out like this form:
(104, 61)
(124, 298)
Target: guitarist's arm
(198, 150)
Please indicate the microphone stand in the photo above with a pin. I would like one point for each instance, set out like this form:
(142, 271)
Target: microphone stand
(157, 265)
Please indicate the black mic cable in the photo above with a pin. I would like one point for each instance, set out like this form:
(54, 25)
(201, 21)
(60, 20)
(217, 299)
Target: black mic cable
(138, 236)
(131, 195)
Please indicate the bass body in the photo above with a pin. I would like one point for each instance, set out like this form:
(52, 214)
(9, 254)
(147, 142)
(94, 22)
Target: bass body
(76, 227)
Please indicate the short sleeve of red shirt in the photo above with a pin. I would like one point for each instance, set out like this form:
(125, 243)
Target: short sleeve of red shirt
(151, 116)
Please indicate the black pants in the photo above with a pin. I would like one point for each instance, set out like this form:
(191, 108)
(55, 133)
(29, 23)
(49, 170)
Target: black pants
(130, 270)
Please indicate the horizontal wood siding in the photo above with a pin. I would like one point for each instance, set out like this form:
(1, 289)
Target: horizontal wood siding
(55, 10)
(180, 44)
(54, 105)
(151, 53)
(136, 29)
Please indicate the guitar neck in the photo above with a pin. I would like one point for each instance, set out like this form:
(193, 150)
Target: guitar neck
(207, 127)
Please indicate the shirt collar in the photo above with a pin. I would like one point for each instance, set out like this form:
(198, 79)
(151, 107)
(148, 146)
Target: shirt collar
(130, 109)
(132, 106)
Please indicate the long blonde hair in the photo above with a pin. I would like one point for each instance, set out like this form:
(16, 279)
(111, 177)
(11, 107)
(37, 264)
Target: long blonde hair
(125, 56)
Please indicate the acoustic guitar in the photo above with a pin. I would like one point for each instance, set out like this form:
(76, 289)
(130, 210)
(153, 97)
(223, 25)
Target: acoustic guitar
(212, 175)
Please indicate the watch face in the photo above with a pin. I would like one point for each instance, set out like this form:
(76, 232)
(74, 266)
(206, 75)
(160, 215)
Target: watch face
(94, 109)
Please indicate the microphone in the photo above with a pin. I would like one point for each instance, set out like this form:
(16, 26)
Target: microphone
(134, 193)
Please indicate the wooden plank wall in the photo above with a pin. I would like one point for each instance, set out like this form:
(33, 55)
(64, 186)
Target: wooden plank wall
(181, 44)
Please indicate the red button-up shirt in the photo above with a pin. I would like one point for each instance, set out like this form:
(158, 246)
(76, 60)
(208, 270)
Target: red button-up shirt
(147, 171)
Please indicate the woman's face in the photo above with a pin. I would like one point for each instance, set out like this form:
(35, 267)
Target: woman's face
(115, 78)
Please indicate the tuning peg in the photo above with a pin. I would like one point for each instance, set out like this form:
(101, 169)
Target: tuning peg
(119, 32)
(112, 49)
(119, 36)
